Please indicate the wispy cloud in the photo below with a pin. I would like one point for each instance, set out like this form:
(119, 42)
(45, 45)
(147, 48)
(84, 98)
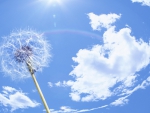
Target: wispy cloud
(50, 84)
(16, 99)
(144, 2)
(67, 109)
(120, 101)
(123, 100)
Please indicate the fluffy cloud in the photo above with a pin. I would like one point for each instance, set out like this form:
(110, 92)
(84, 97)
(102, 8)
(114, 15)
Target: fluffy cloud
(16, 99)
(144, 2)
(109, 69)
(104, 66)
(102, 21)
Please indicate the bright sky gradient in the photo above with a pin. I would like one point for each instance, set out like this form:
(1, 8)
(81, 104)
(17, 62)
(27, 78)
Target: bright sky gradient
(100, 56)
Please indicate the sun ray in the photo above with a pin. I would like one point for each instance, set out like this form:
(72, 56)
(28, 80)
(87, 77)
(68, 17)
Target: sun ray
(51, 2)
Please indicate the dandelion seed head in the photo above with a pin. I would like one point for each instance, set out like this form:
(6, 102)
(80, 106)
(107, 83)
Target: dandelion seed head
(21, 47)
(23, 54)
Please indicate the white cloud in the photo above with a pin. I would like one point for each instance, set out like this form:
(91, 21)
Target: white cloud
(102, 67)
(75, 96)
(144, 2)
(16, 99)
(34, 90)
(123, 100)
(50, 84)
(58, 84)
(143, 85)
(102, 21)
(119, 102)
(64, 83)
(109, 69)
(67, 109)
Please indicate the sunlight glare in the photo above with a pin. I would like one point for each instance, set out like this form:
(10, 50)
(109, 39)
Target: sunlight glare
(53, 1)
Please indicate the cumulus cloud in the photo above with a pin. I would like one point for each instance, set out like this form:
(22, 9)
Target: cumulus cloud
(144, 2)
(115, 62)
(108, 69)
(102, 21)
(16, 99)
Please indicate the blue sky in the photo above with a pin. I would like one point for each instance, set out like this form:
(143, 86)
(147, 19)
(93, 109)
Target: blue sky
(100, 56)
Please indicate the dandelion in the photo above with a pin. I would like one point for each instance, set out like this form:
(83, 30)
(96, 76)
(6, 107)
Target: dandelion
(22, 54)
(21, 47)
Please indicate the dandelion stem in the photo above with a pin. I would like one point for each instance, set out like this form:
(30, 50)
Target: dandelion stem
(37, 86)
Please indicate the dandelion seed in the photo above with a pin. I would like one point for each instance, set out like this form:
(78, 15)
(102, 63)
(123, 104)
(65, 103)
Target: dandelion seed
(20, 47)
(23, 53)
